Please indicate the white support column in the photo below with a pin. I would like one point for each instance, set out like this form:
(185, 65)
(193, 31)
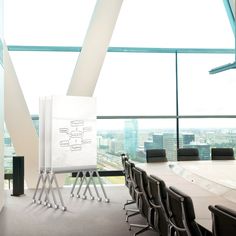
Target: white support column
(19, 123)
(94, 48)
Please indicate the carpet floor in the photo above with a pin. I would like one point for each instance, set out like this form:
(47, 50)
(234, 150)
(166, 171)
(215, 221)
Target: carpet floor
(21, 217)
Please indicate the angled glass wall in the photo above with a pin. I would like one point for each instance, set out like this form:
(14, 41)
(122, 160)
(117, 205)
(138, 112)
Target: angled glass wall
(154, 47)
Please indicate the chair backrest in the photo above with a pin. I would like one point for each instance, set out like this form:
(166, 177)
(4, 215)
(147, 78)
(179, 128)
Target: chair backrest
(158, 198)
(182, 213)
(141, 188)
(129, 178)
(223, 221)
(123, 159)
(188, 154)
(156, 155)
(222, 154)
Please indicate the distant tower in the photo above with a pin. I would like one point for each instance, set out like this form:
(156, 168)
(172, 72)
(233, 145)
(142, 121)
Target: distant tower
(131, 137)
(155, 143)
(188, 138)
(158, 140)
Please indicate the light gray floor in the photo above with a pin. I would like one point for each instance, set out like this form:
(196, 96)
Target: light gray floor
(20, 217)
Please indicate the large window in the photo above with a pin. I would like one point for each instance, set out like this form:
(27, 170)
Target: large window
(134, 137)
(207, 133)
(155, 46)
(137, 84)
(201, 93)
(43, 74)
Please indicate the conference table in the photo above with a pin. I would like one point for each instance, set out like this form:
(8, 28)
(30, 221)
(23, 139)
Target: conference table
(206, 182)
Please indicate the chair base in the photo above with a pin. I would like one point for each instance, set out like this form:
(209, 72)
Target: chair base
(133, 214)
(128, 202)
(143, 228)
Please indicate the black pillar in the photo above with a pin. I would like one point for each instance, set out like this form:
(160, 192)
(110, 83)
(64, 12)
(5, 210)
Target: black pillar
(18, 175)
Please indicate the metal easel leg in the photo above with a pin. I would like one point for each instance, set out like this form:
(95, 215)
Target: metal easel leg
(80, 186)
(90, 179)
(95, 187)
(59, 193)
(37, 186)
(103, 190)
(75, 182)
(87, 188)
(44, 179)
(47, 201)
(50, 181)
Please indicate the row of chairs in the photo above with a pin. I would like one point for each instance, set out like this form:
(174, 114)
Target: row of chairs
(169, 211)
(189, 154)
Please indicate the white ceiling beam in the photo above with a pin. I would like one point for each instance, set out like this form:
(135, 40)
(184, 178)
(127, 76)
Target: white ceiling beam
(94, 48)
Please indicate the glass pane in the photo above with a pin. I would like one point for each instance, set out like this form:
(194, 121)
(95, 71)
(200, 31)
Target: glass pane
(136, 84)
(205, 134)
(9, 150)
(43, 74)
(133, 136)
(43, 22)
(201, 93)
(170, 24)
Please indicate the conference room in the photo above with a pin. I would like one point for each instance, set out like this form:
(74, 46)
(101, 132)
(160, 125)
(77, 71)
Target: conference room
(156, 75)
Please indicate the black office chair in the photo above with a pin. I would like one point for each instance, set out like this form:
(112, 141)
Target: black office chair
(142, 200)
(188, 154)
(131, 186)
(124, 158)
(128, 181)
(181, 211)
(222, 154)
(223, 221)
(158, 200)
(156, 155)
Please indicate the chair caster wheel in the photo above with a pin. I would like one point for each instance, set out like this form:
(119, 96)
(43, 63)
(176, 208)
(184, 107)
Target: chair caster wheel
(92, 198)
(49, 205)
(39, 202)
(84, 197)
(107, 200)
(99, 199)
(34, 201)
(56, 206)
(72, 195)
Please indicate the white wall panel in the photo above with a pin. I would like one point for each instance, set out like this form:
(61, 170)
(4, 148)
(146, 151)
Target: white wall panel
(19, 123)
